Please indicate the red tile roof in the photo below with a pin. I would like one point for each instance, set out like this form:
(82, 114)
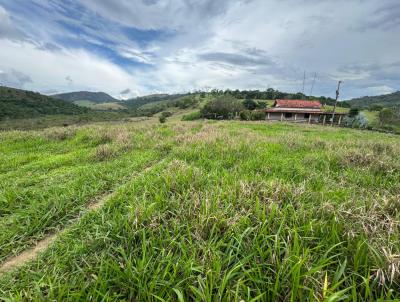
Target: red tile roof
(297, 104)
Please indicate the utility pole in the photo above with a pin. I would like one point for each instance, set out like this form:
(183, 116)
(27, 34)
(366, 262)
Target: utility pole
(337, 97)
(313, 83)
(304, 82)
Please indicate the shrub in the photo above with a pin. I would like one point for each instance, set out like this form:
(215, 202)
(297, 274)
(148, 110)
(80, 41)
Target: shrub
(192, 116)
(249, 104)
(386, 115)
(257, 115)
(375, 107)
(245, 115)
(261, 105)
(166, 113)
(223, 107)
(353, 112)
(162, 119)
(104, 152)
(358, 121)
(186, 102)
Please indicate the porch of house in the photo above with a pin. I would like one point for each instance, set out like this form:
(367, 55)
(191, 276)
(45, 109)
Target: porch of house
(308, 117)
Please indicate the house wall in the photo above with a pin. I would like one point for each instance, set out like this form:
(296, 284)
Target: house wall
(275, 116)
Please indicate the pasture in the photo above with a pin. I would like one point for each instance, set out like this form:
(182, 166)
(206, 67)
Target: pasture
(205, 211)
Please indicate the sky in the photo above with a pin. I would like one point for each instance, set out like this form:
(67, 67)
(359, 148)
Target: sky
(129, 48)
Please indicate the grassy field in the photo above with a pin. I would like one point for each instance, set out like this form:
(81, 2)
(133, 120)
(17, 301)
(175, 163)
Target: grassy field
(100, 106)
(205, 211)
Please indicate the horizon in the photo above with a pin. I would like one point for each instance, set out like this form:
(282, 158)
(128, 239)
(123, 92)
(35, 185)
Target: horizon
(128, 49)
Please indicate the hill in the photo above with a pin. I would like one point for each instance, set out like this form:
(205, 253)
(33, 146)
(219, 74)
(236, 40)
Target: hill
(199, 211)
(17, 103)
(95, 97)
(386, 100)
(143, 100)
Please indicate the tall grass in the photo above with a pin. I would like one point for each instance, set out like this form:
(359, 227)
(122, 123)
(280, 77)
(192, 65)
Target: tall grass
(235, 211)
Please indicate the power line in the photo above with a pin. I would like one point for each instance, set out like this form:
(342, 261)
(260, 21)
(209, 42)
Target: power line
(313, 83)
(304, 82)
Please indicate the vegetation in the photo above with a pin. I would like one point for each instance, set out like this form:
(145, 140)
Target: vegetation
(101, 106)
(67, 120)
(386, 100)
(138, 102)
(256, 115)
(222, 107)
(195, 115)
(386, 116)
(163, 116)
(203, 211)
(95, 97)
(272, 94)
(16, 103)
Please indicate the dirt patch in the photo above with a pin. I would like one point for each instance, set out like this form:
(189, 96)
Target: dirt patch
(32, 253)
(27, 255)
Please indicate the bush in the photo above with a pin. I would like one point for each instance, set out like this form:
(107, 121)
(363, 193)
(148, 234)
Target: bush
(358, 121)
(258, 115)
(162, 119)
(245, 115)
(192, 116)
(353, 112)
(375, 107)
(386, 116)
(186, 102)
(249, 104)
(261, 105)
(223, 107)
(166, 114)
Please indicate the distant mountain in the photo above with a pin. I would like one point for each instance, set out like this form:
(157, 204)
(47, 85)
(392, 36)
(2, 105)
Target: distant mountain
(95, 97)
(17, 103)
(386, 100)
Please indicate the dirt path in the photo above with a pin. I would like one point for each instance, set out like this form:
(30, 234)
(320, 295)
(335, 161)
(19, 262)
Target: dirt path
(31, 253)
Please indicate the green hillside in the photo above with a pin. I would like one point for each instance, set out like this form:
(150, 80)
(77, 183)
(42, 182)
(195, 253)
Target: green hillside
(17, 103)
(95, 97)
(101, 106)
(386, 100)
(143, 100)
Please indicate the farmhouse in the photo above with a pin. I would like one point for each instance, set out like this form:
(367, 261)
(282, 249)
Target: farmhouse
(301, 111)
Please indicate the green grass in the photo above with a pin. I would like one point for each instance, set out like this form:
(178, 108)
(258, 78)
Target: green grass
(108, 106)
(100, 106)
(84, 103)
(227, 211)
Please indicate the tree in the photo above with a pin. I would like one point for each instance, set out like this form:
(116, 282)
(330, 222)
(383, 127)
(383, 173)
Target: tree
(245, 115)
(386, 116)
(354, 112)
(249, 104)
(375, 107)
(225, 107)
(261, 105)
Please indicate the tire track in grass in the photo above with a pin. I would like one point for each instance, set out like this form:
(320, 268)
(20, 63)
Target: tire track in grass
(29, 254)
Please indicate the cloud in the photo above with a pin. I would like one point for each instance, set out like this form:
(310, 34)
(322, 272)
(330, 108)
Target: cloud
(155, 46)
(7, 29)
(125, 91)
(14, 78)
(237, 59)
(69, 80)
(386, 17)
(56, 70)
(159, 14)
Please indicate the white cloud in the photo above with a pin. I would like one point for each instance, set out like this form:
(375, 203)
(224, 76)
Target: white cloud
(225, 44)
(7, 29)
(51, 70)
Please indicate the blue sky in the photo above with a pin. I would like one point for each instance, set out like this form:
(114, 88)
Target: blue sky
(128, 48)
